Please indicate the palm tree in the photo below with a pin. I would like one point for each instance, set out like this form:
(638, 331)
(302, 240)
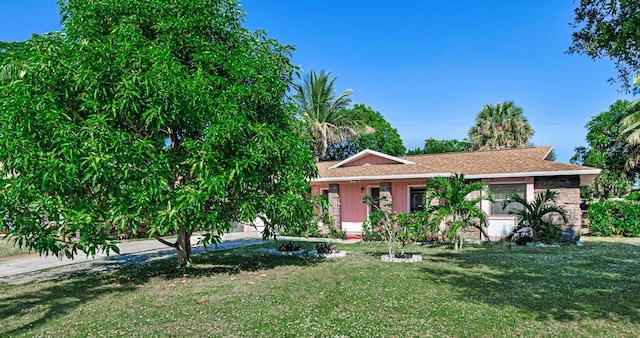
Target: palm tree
(536, 215)
(500, 126)
(326, 116)
(457, 210)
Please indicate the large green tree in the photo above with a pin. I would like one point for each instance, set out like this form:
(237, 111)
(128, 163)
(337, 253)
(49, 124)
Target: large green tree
(609, 28)
(609, 150)
(500, 126)
(434, 146)
(327, 117)
(385, 138)
(167, 114)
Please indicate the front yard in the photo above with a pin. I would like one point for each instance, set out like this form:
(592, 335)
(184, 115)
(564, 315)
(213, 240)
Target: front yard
(482, 291)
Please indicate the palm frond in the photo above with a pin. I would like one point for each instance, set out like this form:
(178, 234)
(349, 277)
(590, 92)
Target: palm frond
(326, 115)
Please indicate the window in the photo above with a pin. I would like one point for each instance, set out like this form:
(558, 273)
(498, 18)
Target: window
(500, 192)
(375, 194)
(416, 199)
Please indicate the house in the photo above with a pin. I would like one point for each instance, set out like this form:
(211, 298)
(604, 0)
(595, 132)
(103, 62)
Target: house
(401, 181)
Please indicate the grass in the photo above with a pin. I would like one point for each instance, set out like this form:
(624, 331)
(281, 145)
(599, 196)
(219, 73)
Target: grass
(8, 248)
(479, 292)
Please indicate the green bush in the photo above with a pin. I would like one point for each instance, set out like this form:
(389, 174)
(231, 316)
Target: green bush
(369, 232)
(414, 228)
(615, 218)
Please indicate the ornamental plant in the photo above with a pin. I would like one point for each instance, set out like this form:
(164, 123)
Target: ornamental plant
(396, 229)
(536, 216)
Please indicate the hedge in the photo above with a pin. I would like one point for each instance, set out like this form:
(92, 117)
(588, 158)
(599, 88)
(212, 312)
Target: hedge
(615, 218)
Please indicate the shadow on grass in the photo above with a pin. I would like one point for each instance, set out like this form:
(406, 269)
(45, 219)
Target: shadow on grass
(597, 281)
(31, 305)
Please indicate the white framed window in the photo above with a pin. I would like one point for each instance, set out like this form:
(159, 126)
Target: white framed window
(416, 198)
(500, 192)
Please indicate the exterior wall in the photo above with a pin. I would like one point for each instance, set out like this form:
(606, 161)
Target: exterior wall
(317, 188)
(568, 188)
(400, 191)
(369, 159)
(352, 211)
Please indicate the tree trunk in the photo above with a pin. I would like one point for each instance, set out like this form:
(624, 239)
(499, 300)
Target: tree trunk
(183, 245)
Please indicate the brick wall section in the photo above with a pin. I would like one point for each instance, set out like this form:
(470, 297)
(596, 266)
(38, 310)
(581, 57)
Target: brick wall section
(386, 200)
(568, 188)
(334, 205)
(471, 232)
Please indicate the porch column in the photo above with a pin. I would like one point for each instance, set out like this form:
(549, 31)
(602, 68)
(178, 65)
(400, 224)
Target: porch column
(334, 205)
(386, 199)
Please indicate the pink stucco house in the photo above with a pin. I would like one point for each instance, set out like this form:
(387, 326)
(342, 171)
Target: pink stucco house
(401, 180)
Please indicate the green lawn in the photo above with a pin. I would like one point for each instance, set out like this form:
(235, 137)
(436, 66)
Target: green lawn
(587, 291)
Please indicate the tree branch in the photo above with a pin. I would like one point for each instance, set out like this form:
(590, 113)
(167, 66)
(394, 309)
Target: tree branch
(161, 240)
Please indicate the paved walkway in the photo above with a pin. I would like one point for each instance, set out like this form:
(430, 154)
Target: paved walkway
(26, 268)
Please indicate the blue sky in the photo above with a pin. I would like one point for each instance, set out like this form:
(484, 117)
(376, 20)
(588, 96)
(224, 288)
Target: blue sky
(427, 66)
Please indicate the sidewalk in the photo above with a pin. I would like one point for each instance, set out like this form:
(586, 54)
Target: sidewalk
(25, 268)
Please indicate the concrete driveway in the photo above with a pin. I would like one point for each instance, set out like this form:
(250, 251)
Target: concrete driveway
(31, 267)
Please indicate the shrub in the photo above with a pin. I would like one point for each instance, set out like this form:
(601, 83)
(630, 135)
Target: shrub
(413, 228)
(369, 231)
(326, 248)
(287, 246)
(535, 215)
(633, 196)
(615, 218)
(335, 233)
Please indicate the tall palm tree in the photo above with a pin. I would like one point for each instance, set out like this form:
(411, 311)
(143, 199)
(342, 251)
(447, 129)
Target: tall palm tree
(536, 215)
(500, 126)
(457, 210)
(631, 127)
(326, 116)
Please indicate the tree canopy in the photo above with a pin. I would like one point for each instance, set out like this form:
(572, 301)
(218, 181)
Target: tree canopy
(163, 114)
(500, 126)
(433, 146)
(609, 150)
(385, 138)
(327, 117)
(609, 28)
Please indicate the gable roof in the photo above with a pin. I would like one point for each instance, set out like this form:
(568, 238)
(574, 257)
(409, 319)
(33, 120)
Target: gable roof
(373, 153)
(479, 164)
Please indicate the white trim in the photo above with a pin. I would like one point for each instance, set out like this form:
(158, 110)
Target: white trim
(537, 173)
(547, 154)
(369, 152)
(488, 182)
(475, 176)
(409, 194)
(380, 177)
